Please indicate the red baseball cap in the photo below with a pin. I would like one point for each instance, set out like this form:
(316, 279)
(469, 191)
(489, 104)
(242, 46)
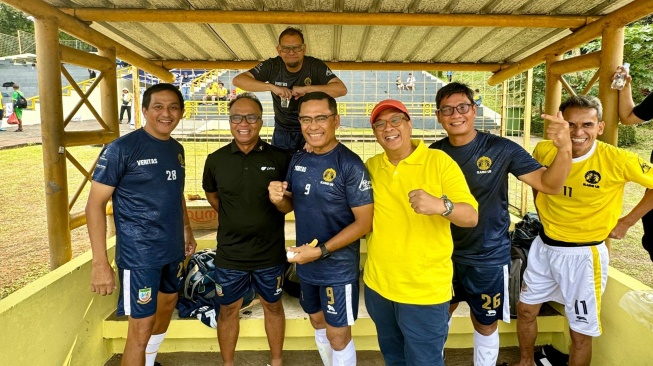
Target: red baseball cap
(387, 104)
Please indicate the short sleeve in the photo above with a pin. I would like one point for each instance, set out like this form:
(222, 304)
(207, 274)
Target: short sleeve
(454, 184)
(262, 71)
(111, 166)
(638, 170)
(358, 185)
(324, 74)
(209, 182)
(644, 110)
(521, 161)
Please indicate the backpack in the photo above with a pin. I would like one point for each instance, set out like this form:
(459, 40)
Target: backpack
(199, 282)
(521, 238)
(21, 102)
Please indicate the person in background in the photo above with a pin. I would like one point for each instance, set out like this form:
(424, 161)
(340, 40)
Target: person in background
(410, 82)
(478, 98)
(211, 93)
(126, 105)
(17, 111)
(143, 173)
(288, 77)
(222, 91)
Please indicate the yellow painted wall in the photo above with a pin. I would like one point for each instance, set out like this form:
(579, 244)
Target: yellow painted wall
(56, 320)
(625, 341)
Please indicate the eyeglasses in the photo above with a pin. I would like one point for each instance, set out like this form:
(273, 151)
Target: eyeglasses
(250, 118)
(287, 49)
(320, 120)
(461, 108)
(395, 121)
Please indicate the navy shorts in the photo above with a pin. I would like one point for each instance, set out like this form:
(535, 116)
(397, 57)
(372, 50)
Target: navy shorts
(231, 285)
(139, 287)
(485, 289)
(339, 303)
(292, 141)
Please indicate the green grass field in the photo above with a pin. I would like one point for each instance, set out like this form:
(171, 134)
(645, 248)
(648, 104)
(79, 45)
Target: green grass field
(24, 251)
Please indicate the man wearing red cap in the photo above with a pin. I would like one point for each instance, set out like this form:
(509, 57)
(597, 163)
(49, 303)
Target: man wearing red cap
(418, 193)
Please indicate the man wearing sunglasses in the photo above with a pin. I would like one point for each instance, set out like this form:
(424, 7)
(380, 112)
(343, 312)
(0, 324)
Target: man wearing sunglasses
(288, 77)
(251, 251)
(481, 254)
(331, 193)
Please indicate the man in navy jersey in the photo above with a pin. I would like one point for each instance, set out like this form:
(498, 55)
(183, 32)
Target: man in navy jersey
(481, 254)
(288, 77)
(331, 193)
(143, 173)
(251, 252)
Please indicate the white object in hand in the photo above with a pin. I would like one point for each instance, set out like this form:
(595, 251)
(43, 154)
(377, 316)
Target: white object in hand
(290, 254)
(620, 80)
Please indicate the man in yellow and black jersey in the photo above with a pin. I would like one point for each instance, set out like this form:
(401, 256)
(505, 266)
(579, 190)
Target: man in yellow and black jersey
(568, 261)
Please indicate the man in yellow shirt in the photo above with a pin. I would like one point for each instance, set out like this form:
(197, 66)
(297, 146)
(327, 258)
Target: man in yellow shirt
(568, 261)
(418, 193)
(211, 93)
(222, 92)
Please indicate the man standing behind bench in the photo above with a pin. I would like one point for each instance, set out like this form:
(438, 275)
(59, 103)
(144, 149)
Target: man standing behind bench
(288, 77)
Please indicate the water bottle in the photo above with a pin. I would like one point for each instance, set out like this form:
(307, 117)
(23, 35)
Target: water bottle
(620, 80)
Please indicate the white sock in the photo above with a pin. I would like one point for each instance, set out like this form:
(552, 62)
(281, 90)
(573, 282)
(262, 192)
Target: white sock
(486, 349)
(346, 357)
(153, 348)
(324, 347)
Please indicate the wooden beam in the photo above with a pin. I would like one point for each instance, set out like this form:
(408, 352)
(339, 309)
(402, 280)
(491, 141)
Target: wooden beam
(76, 28)
(328, 18)
(84, 59)
(619, 18)
(578, 63)
(246, 65)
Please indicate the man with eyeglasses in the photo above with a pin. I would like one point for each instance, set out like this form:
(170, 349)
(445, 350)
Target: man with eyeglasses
(331, 193)
(418, 193)
(288, 77)
(481, 255)
(251, 238)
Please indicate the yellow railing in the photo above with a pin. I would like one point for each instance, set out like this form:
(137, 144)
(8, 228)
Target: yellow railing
(204, 79)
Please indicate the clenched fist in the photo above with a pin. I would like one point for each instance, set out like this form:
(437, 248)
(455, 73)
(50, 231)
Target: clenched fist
(424, 203)
(276, 191)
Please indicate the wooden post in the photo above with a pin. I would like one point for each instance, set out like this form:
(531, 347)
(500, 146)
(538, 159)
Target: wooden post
(136, 101)
(552, 90)
(109, 93)
(612, 54)
(54, 150)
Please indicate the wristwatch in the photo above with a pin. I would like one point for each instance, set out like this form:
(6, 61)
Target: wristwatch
(325, 252)
(448, 205)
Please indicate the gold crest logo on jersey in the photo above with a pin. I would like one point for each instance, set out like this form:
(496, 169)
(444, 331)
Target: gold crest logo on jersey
(329, 175)
(308, 81)
(181, 160)
(646, 167)
(592, 178)
(484, 163)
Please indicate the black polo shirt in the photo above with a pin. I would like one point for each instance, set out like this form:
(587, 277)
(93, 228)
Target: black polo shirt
(250, 228)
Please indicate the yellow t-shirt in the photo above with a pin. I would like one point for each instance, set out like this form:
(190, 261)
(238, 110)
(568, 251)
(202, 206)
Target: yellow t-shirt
(409, 254)
(589, 205)
(222, 92)
(212, 90)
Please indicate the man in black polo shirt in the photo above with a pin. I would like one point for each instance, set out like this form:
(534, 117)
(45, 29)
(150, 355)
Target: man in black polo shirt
(251, 251)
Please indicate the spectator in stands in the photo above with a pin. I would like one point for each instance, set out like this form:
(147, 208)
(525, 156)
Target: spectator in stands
(91, 74)
(1, 113)
(400, 84)
(186, 79)
(418, 193)
(18, 111)
(331, 193)
(449, 76)
(410, 82)
(478, 98)
(568, 261)
(629, 114)
(251, 252)
(143, 173)
(222, 92)
(126, 105)
(481, 254)
(211, 93)
(288, 77)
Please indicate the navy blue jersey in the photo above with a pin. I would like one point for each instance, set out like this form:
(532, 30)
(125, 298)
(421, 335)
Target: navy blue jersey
(324, 189)
(644, 110)
(486, 163)
(273, 71)
(148, 175)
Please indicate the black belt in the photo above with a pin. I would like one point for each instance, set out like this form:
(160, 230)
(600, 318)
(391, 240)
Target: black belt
(559, 243)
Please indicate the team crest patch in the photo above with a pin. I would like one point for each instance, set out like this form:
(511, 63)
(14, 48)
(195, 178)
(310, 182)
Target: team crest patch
(144, 295)
(484, 164)
(646, 167)
(218, 290)
(592, 178)
(329, 175)
(181, 160)
(308, 81)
